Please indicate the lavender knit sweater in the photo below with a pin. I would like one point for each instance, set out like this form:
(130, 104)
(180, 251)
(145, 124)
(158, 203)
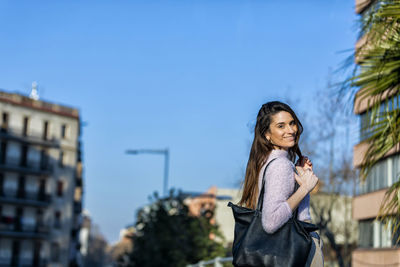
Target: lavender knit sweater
(279, 186)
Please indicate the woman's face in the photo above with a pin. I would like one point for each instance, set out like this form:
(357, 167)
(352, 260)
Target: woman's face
(282, 131)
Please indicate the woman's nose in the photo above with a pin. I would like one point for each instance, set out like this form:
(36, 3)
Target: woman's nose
(290, 129)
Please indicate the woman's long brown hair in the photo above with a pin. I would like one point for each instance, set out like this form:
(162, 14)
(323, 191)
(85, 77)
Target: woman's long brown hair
(261, 148)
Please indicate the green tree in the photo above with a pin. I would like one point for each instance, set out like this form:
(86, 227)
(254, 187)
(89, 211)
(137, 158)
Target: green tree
(377, 77)
(167, 235)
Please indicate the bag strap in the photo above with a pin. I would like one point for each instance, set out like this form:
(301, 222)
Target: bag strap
(261, 195)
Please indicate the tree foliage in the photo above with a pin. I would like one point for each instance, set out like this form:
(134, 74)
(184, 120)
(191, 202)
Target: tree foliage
(169, 236)
(377, 79)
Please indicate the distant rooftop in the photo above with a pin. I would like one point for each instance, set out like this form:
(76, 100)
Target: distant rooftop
(25, 101)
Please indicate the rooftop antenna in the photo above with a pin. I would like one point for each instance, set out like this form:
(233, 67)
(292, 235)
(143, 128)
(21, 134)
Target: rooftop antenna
(34, 94)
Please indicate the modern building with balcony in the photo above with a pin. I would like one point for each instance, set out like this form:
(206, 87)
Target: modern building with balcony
(377, 244)
(40, 182)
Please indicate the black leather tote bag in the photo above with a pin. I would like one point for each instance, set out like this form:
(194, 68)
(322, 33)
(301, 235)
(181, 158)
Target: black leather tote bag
(289, 246)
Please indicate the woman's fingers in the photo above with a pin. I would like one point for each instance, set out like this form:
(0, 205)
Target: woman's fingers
(305, 177)
(304, 162)
(308, 166)
(298, 179)
(300, 170)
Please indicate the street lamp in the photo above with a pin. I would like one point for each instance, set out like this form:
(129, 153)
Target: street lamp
(164, 152)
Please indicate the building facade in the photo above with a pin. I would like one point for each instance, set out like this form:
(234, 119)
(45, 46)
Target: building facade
(376, 243)
(40, 182)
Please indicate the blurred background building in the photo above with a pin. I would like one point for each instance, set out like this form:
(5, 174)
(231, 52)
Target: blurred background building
(376, 244)
(120, 252)
(93, 246)
(40, 182)
(214, 204)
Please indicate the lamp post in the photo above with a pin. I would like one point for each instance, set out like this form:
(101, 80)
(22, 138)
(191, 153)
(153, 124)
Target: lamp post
(164, 152)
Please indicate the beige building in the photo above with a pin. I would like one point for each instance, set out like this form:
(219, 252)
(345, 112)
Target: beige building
(223, 213)
(40, 182)
(376, 246)
(214, 203)
(336, 212)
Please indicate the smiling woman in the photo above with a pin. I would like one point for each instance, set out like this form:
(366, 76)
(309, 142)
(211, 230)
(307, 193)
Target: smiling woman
(282, 189)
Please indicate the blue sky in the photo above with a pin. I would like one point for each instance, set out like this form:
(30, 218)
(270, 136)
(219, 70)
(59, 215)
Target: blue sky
(187, 75)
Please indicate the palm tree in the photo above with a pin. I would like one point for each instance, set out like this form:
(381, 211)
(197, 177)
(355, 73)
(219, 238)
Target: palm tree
(376, 79)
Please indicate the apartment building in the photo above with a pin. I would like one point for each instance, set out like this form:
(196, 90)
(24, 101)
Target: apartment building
(40, 182)
(376, 244)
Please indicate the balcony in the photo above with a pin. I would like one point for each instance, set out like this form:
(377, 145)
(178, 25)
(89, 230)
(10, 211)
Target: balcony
(361, 5)
(30, 139)
(360, 149)
(78, 182)
(14, 228)
(367, 206)
(25, 198)
(32, 168)
(77, 207)
(6, 262)
(376, 257)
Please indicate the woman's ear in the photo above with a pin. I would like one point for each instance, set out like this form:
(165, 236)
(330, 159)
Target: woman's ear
(268, 137)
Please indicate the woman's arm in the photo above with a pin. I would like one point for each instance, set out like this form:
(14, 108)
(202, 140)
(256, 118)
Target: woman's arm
(278, 187)
(304, 206)
(295, 199)
(279, 202)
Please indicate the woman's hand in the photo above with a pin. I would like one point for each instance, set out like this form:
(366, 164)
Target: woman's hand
(304, 162)
(306, 178)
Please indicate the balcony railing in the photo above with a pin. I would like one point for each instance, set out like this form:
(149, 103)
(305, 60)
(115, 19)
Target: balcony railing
(25, 198)
(14, 227)
(7, 261)
(33, 138)
(77, 206)
(29, 167)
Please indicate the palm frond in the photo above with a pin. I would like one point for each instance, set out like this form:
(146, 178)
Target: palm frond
(377, 81)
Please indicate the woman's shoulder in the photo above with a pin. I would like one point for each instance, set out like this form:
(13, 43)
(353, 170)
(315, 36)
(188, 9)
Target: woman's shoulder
(279, 160)
(279, 163)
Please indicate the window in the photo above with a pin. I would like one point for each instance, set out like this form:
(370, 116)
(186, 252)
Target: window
(384, 174)
(60, 188)
(37, 247)
(377, 178)
(16, 247)
(55, 252)
(18, 219)
(21, 187)
(1, 186)
(366, 128)
(40, 226)
(45, 130)
(24, 156)
(44, 160)
(373, 8)
(61, 159)
(3, 152)
(26, 125)
(42, 186)
(374, 234)
(396, 168)
(41, 194)
(4, 123)
(63, 131)
(57, 220)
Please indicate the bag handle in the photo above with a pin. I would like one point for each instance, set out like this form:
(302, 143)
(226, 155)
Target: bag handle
(261, 195)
